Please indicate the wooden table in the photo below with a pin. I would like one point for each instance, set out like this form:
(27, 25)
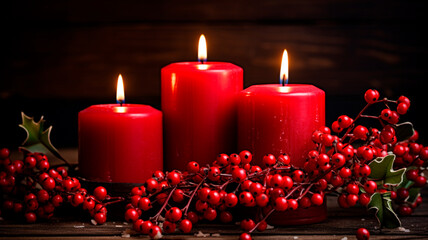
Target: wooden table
(341, 224)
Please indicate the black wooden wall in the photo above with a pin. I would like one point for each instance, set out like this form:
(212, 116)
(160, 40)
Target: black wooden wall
(59, 57)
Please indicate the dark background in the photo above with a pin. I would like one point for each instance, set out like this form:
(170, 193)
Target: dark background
(59, 57)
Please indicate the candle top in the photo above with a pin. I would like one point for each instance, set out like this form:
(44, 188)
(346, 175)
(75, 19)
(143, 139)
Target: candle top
(206, 66)
(129, 109)
(289, 89)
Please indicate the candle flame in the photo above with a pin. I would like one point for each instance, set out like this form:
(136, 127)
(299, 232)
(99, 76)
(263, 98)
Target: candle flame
(202, 49)
(120, 93)
(283, 75)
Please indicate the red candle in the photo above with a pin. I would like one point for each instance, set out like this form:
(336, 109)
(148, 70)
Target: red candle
(280, 118)
(120, 142)
(199, 107)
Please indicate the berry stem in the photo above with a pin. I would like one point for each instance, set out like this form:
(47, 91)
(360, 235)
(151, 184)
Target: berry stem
(156, 217)
(264, 219)
(186, 208)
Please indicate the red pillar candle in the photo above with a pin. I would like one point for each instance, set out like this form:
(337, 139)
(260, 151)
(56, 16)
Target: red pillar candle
(120, 142)
(280, 118)
(199, 107)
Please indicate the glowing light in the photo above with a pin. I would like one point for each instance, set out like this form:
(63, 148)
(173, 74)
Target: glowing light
(283, 75)
(202, 49)
(120, 92)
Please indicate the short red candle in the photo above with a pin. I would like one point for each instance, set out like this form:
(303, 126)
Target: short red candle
(120, 142)
(280, 119)
(199, 107)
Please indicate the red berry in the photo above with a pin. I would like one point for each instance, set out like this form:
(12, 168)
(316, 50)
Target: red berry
(402, 193)
(256, 188)
(360, 132)
(402, 108)
(131, 215)
(345, 172)
(403, 99)
(223, 160)
(169, 227)
(280, 204)
(335, 127)
(405, 210)
(231, 200)
(262, 200)
(48, 184)
(203, 193)
(276, 181)
(352, 199)
(185, 226)
(338, 160)
(57, 200)
(173, 214)
(363, 234)
(174, 178)
(42, 196)
(226, 217)
(234, 159)
(214, 174)
(30, 217)
(269, 160)
(420, 181)
(89, 204)
(239, 174)
(352, 188)
(4, 153)
(284, 159)
(344, 121)
(144, 204)
(327, 139)
(245, 236)
(247, 224)
(155, 232)
(370, 187)
(152, 185)
(371, 96)
(364, 199)
(30, 162)
(317, 199)
(246, 198)
(178, 195)
(364, 170)
(297, 176)
(292, 204)
(245, 156)
(146, 226)
(100, 193)
(193, 167)
(43, 165)
(210, 214)
(305, 202)
(214, 198)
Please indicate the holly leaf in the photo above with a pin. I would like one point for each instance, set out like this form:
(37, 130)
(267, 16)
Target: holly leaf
(385, 215)
(404, 131)
(38, 139)
(383, 173)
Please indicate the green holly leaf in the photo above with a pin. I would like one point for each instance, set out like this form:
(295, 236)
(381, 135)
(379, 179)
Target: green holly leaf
(383, 173)
(38, 139)
(385, 215)
(404, 131)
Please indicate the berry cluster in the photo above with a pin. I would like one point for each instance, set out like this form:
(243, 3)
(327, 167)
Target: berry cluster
(31, 189)
(339, 163)
(209, 193)
(350, 164)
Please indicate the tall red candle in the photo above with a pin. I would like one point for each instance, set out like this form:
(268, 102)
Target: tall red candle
(199, 107)
(120, 142)
(280, 118)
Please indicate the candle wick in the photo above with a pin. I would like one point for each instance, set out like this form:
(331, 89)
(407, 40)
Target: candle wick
(284, 80)
(201, 61)
(120, 102)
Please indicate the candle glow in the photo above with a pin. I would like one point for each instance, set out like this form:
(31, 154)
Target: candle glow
(283, 75)
(120, 93)
(202, 49)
